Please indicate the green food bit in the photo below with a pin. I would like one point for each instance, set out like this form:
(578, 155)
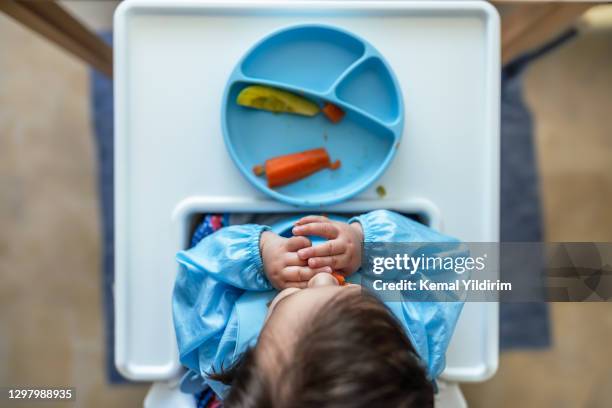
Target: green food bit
(381, 191)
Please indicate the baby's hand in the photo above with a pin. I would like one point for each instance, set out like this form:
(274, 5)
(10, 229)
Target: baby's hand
(342, 251)
(283, 268)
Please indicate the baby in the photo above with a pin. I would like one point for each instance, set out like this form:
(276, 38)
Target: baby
(264, 322)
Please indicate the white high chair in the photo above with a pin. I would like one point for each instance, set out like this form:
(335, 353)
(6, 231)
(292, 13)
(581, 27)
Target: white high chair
(172, 60)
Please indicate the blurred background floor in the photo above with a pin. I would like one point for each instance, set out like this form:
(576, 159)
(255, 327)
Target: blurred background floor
(570, 94)
(49, 217)
(50, 229)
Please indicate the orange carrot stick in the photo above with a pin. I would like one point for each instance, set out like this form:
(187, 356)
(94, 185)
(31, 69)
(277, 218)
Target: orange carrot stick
(286, 169)
(339, 278)
(333, 112)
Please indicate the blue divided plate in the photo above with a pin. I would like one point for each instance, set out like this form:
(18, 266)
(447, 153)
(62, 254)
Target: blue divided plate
(322, 63)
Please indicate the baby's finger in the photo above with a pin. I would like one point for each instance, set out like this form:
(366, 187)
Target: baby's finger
(311, 218)
(302, 273)
(295, 243)
(335, 262)
(320, 229)
(331, 247)
(292, 259)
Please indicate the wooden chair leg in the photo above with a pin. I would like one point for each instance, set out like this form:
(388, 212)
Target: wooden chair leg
(529, 25)
(51, 21)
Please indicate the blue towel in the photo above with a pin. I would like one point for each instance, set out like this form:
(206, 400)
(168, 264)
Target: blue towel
(522, 325)
(102, 118)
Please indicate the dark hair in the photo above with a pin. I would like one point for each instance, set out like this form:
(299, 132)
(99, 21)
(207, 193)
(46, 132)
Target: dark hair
(354, 354)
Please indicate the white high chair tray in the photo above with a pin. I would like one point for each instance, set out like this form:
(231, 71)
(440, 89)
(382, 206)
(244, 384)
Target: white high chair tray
(172, 61)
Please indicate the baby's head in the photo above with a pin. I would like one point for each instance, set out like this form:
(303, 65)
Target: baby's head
(332, 346)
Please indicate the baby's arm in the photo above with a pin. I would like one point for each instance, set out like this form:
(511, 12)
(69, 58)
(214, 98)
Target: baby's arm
(389, 226)
(230, 255)
(430, 325)
(212, 276)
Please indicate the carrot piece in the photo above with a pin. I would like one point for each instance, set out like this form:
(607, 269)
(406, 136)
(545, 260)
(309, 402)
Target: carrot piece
(333, 112)
(335, 165)
(339, 278)
(259, 170)
(286, 169)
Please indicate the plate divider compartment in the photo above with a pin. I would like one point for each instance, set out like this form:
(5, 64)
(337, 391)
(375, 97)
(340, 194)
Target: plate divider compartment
(319, 97)
(343, 46)
(391, 85)
(348, 70)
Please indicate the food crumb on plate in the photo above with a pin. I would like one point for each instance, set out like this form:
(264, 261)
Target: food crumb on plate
(381, 191)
